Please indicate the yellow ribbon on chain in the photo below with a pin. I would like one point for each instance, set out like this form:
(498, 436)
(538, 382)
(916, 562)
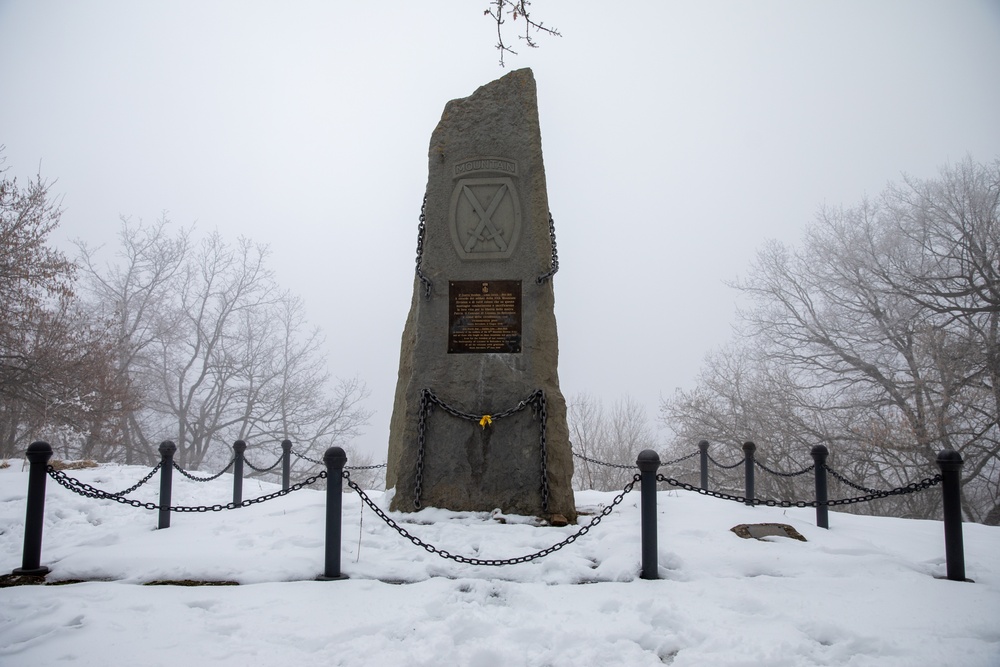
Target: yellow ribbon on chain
(486, 421)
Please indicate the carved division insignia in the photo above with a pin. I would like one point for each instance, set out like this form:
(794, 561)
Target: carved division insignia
(485, 218)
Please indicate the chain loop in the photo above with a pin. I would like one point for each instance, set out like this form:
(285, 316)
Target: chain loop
(273, 465)
(140, 482)
(679, 459)
(418, 478)
(88, 491)
(430, 548)
(912, 487)
(421, 231)
(847, 481)
(543, 446)
(554, 262)
(310, 460)
(429, 400)
(621, 466)
(204, 479)
(784, 474)
(320, 463)
(727, 467)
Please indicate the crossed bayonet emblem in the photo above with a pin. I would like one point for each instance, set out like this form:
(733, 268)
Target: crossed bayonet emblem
(485, 230)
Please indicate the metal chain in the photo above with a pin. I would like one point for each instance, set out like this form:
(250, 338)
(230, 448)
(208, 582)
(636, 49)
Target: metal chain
(738, 463)
(604, 463)
(140, 482)
(484, 561)
(543, 415)
(320, 463)
(88, 491)
(306, 458)
(421, 230)
(531, 399)
(678, 460)
(848, 482)
(912, 487)
(784, 474)
(632, 466)
(554, 264)
(273, 466)
(204, 479)
(418, 478)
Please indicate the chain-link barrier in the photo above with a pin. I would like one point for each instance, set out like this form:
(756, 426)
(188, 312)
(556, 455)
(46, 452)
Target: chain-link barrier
(204, 479)
(727, 467)
(493, 562)
(679, 459)
(618, 466)
(320, 463)
(421, 231)
(306, 458)
(429, 400)
(554, 258)
(848, 482)
(86, 490)
(142, 481)
(632, 466)
(272, 467)
(784, 474)
(912, 487)
(375, 466)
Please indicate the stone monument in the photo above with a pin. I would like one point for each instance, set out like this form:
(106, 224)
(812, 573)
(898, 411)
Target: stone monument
(479, 422)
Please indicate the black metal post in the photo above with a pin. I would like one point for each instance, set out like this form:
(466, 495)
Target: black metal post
(239, 447)
(167, 450)
(703, 446)
(819, 454)
(38, 454)
(648, 462)
(950, 463)
(748, 449)
(286, 464)
(335, 460)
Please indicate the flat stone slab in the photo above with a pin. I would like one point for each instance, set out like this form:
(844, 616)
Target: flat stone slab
(761, 530)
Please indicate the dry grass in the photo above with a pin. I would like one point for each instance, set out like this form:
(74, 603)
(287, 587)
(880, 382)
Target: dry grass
(72, 465)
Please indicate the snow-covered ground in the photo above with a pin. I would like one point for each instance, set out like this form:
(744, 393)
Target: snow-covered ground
(866, 592)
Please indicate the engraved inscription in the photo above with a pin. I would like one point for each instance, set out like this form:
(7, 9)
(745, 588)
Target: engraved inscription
(494, 164)
(484, 316)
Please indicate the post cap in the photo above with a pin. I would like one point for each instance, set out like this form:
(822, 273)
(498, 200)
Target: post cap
(749, 446)
(239, 446)
(819, 451)
(703, 444)
(949, 460)
(335, 457)
(286, 444)
(38, 452)
(648, 460)
(167, 448)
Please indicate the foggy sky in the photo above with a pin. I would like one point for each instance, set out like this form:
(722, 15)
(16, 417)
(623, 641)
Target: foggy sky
(677, 137)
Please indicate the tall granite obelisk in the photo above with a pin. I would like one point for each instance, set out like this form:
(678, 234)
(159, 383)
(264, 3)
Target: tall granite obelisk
(479, 422)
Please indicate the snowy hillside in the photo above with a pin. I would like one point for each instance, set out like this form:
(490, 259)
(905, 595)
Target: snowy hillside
(866, 592)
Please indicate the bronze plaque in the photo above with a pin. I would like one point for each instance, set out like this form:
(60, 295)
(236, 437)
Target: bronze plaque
(484, 316)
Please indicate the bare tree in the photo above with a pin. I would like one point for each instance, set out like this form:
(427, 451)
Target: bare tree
(219, 351)
(878, 338)
(601, 438)
(588, 434)
(55, 363)
(516, 10)
(134, 293)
